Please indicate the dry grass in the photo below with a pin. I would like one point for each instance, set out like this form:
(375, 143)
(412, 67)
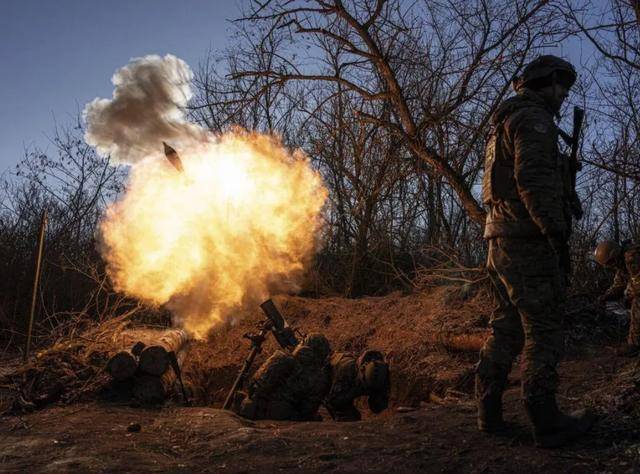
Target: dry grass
(71, 369)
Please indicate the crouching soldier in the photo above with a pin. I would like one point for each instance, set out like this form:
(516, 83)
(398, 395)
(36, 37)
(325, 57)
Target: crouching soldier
(289, 386)
(367, 375)
(625, 260)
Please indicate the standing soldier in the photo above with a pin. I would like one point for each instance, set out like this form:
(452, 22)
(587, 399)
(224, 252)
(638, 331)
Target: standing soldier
(625, 259)
(527, 228)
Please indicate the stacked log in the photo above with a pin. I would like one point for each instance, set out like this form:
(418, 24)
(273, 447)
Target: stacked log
(154, 359)
(150, 365)
(122, 366)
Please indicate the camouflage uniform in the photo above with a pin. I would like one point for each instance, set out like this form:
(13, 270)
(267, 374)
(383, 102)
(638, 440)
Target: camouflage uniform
(289, 386)
(627, 281)
(526, 225)
(529, 220)
(351, 378)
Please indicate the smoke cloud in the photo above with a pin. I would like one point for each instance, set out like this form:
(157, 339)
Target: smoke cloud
(147, 107)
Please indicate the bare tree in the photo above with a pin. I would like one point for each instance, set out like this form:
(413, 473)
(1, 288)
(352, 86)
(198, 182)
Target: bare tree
(441, 66)
(74, 185)
(391, 100)
(612, 27)
(611, 150)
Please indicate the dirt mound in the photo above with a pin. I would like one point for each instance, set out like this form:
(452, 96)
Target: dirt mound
(431, 340)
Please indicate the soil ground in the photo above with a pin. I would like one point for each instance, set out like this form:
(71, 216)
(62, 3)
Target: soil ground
(437, 434)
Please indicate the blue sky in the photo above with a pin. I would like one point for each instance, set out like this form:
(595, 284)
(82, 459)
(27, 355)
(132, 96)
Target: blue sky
(56, 55)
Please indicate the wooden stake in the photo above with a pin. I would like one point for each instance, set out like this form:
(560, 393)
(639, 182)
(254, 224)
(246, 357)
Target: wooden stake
(36, 282)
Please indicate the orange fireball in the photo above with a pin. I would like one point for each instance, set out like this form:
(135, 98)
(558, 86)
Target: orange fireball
(238, 225)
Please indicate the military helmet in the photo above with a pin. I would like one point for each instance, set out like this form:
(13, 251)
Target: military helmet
(318, 344)
(374, 371)
(538, 73)
(607, 252)
(375, 376)
(377, 383)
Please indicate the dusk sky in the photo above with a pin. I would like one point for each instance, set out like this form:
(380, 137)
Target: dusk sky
(58, 55)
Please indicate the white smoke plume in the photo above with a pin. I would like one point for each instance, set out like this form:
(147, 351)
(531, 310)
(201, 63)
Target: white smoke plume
(147, 108)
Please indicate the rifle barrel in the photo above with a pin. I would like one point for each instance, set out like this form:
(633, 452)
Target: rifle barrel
(578, 117)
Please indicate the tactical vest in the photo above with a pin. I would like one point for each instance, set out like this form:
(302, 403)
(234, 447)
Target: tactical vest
(508, 215)
(498, 182)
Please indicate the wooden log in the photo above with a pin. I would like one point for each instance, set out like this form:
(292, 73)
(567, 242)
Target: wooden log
(155, 389)
(137, 348)
(154, 359)
(168, 338)
(155, 379)
(122, 366)
(147, 363)
(149, 389)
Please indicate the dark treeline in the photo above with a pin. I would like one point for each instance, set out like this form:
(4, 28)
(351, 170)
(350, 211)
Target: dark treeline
(391, 101)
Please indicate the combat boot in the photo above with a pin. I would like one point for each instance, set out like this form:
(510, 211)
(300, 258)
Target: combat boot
(490, 414)
(489, 408)
(551, 427)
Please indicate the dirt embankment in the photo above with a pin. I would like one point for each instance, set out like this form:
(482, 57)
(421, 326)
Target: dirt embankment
(430, 339)
(438, 437)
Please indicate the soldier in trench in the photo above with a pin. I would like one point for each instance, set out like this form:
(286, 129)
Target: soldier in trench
(293, 386)
(625, 260)
(289, 386)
